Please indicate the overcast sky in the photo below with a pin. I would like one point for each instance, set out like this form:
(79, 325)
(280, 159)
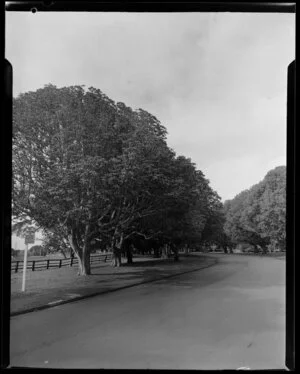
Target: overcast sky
(217, 81)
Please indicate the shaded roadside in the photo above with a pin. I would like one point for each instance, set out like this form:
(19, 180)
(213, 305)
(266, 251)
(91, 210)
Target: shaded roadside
(46, 289)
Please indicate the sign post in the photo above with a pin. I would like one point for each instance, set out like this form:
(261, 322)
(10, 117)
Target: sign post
(29, 239)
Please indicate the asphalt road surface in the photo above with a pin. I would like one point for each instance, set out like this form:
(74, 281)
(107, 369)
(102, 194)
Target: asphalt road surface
(228, 316)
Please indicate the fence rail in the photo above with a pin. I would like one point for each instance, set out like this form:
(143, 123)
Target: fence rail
(46, 264)
(56, 262)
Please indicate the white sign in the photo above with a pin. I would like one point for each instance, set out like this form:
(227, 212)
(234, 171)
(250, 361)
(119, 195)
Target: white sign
(30, 238)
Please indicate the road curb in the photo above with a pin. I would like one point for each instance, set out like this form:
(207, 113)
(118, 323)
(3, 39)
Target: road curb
(82, 297)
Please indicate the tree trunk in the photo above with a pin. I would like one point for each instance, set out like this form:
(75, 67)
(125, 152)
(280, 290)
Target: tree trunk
(84, 263)
(156, 253)
(117, 251)
(264, 249)
(256, 248)
(116, 258)
(83, 255)
(129, 256)
(165, 251)
(176, 255)
(186, 249)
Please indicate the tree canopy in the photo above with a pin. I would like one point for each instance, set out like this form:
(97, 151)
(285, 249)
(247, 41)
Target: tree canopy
(87, 168)
(257, 215)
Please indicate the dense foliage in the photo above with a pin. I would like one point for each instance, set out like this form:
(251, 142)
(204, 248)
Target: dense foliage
(257, 216)
(88, 169)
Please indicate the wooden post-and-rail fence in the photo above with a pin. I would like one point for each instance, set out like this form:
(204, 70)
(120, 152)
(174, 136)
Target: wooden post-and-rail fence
(56, 263)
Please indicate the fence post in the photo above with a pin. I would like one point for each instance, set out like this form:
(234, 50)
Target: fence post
(71, 264)
(48, 264)
(60, 263)
(17, 267)
(33, 265)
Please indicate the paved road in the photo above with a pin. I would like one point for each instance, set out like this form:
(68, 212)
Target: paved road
(227, 316)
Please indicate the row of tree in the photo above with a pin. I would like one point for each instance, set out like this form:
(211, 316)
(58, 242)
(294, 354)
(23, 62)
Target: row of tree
(89, 171)
(94, 173)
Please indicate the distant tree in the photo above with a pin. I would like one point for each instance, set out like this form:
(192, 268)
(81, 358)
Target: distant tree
(15, 253)
(272, 218)
(257, 215)
(37, 250)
